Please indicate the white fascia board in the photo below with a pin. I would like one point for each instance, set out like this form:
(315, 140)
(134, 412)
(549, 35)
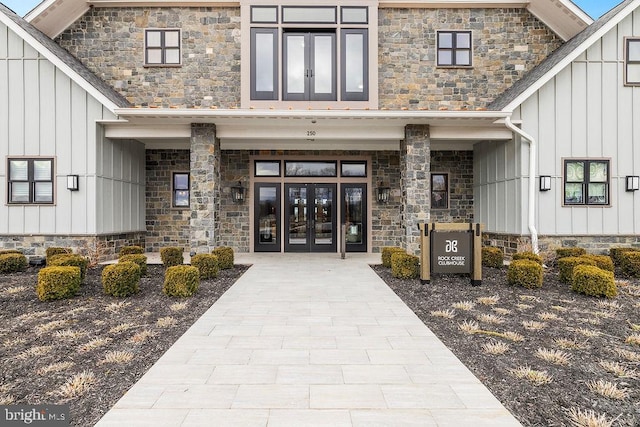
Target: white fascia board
(562, 16)
(571, 57)
(58, 63)
(471, 133)
(128, 131)
(454, 4)
(52, 17)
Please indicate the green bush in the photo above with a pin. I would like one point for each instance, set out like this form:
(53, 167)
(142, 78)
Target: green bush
(207, 265)
(12, 263)
(53, 251)
(603, 262)
(225, 257)
(567, 264)
(527, 255)
(405, 266)
(492, 257)
(181, 281)
(616, 254)
(58, 282)
(121, 279)
(171, 256)
(593, 281)
(139, 259)
(70, 260)
(131, 250)
(10, 251)
(630, 264)
(387, 251)
(567, 252)
(525, 273)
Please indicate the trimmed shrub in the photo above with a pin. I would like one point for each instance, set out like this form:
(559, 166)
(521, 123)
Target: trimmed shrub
(52, 251)
(567, 264)
(616, 254)
(70, 260)
(181, 281)
(387, 251)
(527, 255)
(492, 257)
(225, 257)
(58, 282)
(567, 252)
(139, 259)
(405, 266)
(630, 263)
(207, 264)
(593, 281)
(525, 273)
(10, 251)
(12, 263)
(131, 250)
(121, 279)
(603, 262)
(171, 256)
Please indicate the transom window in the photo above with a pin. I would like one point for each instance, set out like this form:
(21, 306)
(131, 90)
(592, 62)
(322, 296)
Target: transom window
(586, 182)
(439, 191)
(30, 181)
(454, 48)
(632, 62)
(162, 47)
(180, 190)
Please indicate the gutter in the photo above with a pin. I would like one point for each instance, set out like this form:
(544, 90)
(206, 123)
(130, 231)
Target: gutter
(533, 155)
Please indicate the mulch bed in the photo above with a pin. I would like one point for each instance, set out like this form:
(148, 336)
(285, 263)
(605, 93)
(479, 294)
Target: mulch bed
(46, 346)
(587, 330)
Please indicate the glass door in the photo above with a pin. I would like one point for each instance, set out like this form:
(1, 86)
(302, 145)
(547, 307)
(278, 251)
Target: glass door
(267, 218)
(354, 216)
(310, 218)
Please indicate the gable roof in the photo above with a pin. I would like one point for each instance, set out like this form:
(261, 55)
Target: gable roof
(561, 58)
(63, 60)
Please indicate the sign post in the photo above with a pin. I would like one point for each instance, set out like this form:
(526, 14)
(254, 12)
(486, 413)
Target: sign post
(451, 249)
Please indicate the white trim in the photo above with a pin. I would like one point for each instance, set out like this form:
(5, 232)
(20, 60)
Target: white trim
(533, 88)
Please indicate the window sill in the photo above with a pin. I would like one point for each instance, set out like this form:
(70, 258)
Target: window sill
(162, 65)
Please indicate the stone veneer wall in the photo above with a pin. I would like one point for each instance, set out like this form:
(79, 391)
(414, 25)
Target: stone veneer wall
(506, 44)
(459, 166)
(511, 244)
(234, 227)
(110, 42)
(386, 224)
(166, 225)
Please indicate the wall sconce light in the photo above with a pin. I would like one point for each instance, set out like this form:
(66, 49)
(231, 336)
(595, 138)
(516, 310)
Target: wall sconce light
(545, 183)
(384, 194)
(237, 193)
(633, 183)
(72, 182)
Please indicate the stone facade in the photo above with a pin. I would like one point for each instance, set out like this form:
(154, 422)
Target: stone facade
(110, 42)
(459, 166)
(386, 225)
(234, 229)
(166, 225)
(506, 44)
(511, 244)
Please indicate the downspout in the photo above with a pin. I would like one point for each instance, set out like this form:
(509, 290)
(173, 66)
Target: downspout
(533, 155)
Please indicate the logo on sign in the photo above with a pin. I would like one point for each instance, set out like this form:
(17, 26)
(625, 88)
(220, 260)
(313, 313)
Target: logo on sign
(451, 246)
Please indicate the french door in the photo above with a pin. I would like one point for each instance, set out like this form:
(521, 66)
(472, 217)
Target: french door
(354, 216)
(309, 66)
(310, 218)
(267, 216)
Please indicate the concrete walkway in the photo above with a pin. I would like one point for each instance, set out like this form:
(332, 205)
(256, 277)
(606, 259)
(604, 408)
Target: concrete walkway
(308, 339)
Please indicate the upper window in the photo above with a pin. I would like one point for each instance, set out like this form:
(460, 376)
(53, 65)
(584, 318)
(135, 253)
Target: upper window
(586, 182)
(162, 47)
(454, 48)
(180, 190)
(439, 191)
(632, 64)
(30, 181)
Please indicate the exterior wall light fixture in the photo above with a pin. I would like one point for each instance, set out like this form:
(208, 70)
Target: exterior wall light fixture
(237, 193)
(545, 183)
(72, 182)
(633, 183)
(384, 193)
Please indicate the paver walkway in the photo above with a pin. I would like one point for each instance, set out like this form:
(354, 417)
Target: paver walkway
(308, 339)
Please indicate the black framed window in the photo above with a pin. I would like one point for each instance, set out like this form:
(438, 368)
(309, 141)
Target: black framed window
(354, 15)
(355, 60)
(454, 48)
(353, 168)
(30, 181)
(439, 191)
(312, 168)
(267, 168)
(632, 62)
(181, 185)
(264, 14)
(264, 63)
(162, 47)
(586, 182)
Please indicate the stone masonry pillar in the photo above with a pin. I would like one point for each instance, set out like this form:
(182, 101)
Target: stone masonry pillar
(415, 157)
(205, 188)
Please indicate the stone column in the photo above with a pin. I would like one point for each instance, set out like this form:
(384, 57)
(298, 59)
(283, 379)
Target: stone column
(415, 157)
(205, 188)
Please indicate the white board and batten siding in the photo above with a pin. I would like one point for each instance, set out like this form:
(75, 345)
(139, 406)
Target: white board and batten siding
(585, 111)
(44, 113)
